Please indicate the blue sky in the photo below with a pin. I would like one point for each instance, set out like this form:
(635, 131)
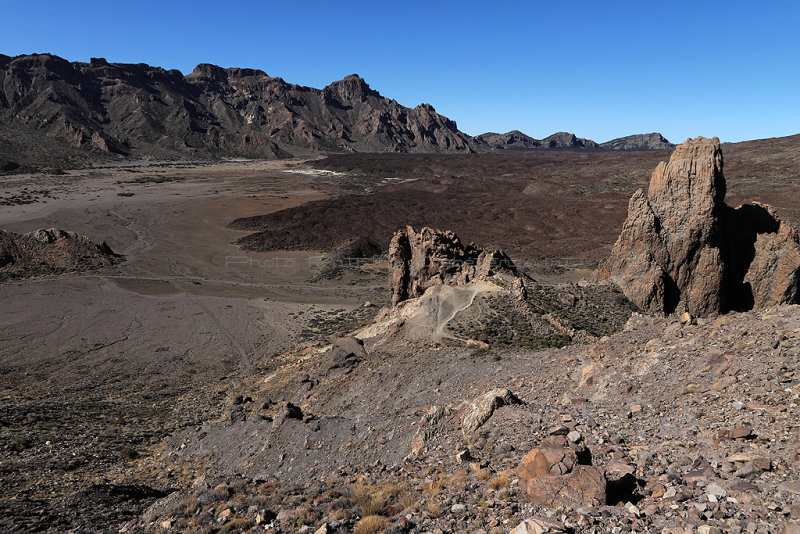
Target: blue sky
(600, 69)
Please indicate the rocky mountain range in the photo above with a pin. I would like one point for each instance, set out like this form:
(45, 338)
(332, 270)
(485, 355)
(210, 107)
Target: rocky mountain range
(50, 106)
(516, 140)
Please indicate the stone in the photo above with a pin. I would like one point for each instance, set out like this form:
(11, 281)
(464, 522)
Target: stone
(554, 476)
(682, 249)
(746, 470)
(620, 469)
(481, 409)
(574, 436)
(741, 432)
(463, 456)
(792, 486)
(792, 528)
(458, 508)
(633, 509)
(538, 526)
(716, 490)
(346, 352)
(763, 463)
(421, 259)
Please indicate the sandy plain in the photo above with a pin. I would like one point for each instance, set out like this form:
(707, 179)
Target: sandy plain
(96, 368)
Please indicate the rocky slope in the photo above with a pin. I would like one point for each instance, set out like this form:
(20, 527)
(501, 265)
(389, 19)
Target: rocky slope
(51, 251)
(661, 427)
(683, 249)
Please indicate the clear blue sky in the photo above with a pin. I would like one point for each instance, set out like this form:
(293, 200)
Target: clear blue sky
(600, 69)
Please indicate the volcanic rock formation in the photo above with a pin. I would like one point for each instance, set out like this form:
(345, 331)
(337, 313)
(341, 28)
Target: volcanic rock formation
(421, 259)
(51, 251)
(682, 249)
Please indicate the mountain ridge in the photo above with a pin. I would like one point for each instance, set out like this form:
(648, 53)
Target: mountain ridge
(49, 107)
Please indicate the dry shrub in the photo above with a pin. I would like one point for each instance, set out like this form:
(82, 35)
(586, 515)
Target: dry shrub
(433, 508)
(500, 481)
(368, 497)
(370, 524)
(239, 498)
(222, 491)
(337, 514)
(434, 487)
(408, 499)
(456, 480)
(240, 524)
(304, 516)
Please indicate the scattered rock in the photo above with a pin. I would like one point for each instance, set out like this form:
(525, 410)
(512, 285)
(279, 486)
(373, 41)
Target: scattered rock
(574, 436)
(538, 526)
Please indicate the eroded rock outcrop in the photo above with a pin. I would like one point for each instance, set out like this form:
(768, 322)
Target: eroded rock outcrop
(424, 258)
(51, 251)
(682, 249)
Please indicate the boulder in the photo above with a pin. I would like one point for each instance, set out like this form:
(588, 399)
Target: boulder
(424, 258)
(346, 352)
(481, 409)
(682, 249)
(538, 526)
(558, 473)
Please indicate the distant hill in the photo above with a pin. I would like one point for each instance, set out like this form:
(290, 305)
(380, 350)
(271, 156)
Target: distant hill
(651, 141)
(61, 114)
(513, 140)
(516, 140)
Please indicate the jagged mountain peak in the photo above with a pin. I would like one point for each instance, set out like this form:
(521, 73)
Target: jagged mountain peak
(352, 87)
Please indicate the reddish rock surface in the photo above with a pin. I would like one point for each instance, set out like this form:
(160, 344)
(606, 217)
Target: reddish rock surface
(554, 474)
